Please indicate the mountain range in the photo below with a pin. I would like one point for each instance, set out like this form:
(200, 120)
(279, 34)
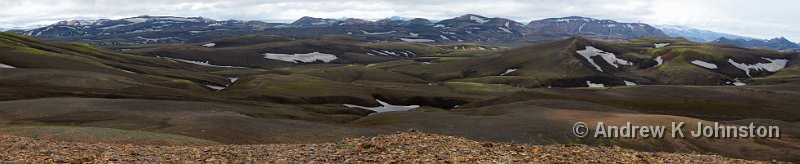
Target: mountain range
(703, 36)
(775, 43)
(466, 28)
(697, 35)
(576, 25)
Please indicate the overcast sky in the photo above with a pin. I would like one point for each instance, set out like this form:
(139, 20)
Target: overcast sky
(760, 19)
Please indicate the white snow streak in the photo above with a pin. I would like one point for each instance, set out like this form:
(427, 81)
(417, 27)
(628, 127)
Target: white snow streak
(594, 85)
(736, 82)
(233, 79)
(659, 45)
(629, 83)
(773, 66)
(704, 64)
(417, 40)
(478, 19)
(610, 58)
(505, 29)
(305, 58)
(377, 33)
(659, 61)
(206, 63)
(216, 88)
(6, 66)
(385, 107)
(508, 71)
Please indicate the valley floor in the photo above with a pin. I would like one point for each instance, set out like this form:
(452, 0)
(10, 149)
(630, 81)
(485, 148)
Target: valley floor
(413, 147)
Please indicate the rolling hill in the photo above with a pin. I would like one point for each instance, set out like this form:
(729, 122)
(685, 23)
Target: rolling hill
(259, 89)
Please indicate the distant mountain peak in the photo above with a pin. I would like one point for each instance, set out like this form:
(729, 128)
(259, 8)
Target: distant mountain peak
(779, 43)
(575, 18)
(312, 21)
(780, 39)
(397, 18)
(577, 25)
(472, 15)
(697, 35)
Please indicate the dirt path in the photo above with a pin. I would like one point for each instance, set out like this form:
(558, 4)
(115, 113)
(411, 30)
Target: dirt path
(410, 147)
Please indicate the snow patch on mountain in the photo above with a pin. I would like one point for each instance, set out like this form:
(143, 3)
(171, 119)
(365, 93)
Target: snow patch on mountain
(219, 88)
(659, 61)
(773, 66)
(413, 34)
(305, 58)
(147, 40)
(403, 53)
(660, 45)
(136, 20)
(505, 29)
(127, 71)
(508, 71)
(209, 45)
(114, 26)
(385, 107)
(206, 63)
(215, 24)
(233, 79)
(737, 82)
(478, 19)
(216, 88)
(594, 85)
(610, 58)
(377, 33)
(704, 64)
(417, 40)
(144, 30)
(6, 66)
(629, 83)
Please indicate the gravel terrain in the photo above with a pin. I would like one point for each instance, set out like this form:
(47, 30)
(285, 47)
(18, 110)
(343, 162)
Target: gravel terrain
(403, 147)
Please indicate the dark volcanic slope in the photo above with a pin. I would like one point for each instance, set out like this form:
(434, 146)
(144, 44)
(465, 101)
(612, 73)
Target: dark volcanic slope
(48, 69)
(261, 51)
(573, 62)
(230, 92)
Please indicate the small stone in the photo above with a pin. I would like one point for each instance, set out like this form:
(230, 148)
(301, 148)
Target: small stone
(536, 150)
(59, 159)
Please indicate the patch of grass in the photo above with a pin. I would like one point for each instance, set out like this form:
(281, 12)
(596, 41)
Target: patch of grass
(103, 79)
(107, 135)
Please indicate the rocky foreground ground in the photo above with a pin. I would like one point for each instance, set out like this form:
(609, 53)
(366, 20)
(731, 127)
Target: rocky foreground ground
(405, 147)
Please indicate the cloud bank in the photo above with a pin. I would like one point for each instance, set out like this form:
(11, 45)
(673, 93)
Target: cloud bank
(760, 19)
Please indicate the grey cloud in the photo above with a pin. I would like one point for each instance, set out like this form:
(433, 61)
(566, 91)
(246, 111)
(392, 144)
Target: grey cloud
(765, 18)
